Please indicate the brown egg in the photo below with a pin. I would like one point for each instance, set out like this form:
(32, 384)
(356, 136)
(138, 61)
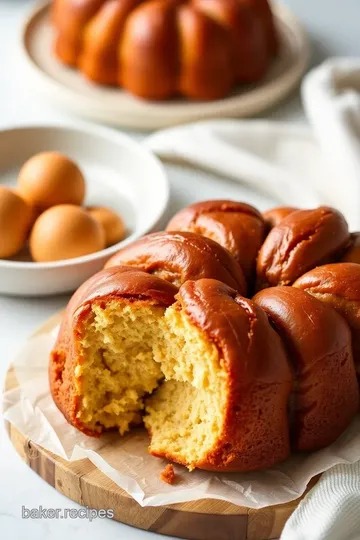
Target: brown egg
(110, 221)
(35, 212)
(64, 232)
(15, 222)
(51, 178)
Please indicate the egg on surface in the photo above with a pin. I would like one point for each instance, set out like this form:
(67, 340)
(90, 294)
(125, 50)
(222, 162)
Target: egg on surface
(111, 222)
(15, 222)
(63, 232)
(50, 178)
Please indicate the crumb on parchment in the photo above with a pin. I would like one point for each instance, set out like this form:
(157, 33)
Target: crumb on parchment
(168, 474)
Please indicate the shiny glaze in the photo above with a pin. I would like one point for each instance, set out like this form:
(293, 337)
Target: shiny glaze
(339, 286)
(236, 226)
(318, 342)
(180, 256)
(303, 240)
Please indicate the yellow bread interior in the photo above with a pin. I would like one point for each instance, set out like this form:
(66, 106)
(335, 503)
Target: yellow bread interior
(131, 350)
(117, 367)
(185, 415)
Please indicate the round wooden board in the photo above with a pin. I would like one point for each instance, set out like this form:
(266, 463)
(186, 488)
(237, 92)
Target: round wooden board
(68, 88)
(206, 519)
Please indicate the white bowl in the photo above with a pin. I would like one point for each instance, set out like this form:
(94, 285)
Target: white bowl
(119, 172)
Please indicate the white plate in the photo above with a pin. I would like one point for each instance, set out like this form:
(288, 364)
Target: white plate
(68, 88)
(119, 172)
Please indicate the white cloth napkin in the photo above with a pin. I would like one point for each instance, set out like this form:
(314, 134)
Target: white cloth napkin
(331, 510)
(305, 167)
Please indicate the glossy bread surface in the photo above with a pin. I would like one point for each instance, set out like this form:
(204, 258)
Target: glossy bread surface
(338, 285)
(180, 256)
(318, 342)
(236, 226)
(303, 240)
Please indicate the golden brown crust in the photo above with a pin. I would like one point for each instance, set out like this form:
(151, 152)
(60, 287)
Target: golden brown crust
(159, 48)
(248, 32)
(69, 19)
(236, 226)
(99, 57)
(255, 433)
(303, 240)
(149, 58)
(126, 283)
(274, 216)
(180, 256)
(339, 286)
(352, 254)
(318, 342)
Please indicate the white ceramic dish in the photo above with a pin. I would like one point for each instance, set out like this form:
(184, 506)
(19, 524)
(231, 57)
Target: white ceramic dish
(113, 106)
(119, 172)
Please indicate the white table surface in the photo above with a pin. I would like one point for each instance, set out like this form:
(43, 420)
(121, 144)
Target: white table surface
(334, 30)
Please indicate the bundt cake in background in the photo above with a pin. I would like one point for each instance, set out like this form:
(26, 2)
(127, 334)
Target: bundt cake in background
(164, 335)
(157, 49)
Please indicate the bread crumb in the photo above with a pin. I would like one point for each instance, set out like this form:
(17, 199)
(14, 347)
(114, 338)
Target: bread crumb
(168, 474)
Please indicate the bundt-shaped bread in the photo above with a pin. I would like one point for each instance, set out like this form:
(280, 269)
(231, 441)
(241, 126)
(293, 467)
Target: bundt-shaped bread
(221, 382)
(236, 226)
(181, 256)
(159, 48)
(339, 286)
(318, 342)
(301, 241)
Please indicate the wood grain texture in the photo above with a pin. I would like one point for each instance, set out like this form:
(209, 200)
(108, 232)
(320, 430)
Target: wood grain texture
(206, 519)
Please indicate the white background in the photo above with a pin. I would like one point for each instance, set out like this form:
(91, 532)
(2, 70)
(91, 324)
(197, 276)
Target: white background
(333, 26)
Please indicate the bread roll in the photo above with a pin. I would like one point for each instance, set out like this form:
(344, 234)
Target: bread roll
(303, 240)
(318, 342)
(236, 226)
(178, 257)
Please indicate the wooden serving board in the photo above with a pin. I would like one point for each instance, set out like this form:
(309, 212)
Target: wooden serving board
(206, 519)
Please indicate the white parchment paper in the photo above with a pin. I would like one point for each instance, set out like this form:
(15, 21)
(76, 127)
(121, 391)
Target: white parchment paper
(125, 459)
